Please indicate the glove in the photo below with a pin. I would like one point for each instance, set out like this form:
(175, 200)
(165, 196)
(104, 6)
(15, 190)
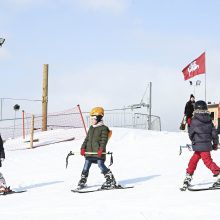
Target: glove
(83, 151)
(100, 152)
(215, 146)
(189, 121)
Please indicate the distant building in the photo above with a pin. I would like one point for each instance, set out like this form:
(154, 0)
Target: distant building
(214, 109)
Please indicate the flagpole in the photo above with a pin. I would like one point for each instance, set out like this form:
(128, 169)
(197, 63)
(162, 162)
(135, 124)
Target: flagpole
(205, 87)
(205, 75)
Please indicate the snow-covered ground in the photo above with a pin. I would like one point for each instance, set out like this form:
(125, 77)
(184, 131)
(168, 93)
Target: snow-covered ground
(149, 160)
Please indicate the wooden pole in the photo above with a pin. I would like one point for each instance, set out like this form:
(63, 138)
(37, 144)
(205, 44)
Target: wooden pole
(45, 97)
(32, 131)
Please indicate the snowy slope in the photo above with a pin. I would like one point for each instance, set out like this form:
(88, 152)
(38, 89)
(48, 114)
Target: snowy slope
(149, 160)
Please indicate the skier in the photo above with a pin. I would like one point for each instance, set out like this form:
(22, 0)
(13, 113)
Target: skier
(204, 137)
(189, 108)
(3, 187)
(95, 142)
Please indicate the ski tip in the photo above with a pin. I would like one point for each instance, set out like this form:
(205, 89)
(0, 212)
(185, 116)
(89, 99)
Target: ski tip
(12, 192)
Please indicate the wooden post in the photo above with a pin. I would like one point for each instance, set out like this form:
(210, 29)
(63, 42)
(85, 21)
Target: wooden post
(45, 97)
(23, 128)
(32, 131)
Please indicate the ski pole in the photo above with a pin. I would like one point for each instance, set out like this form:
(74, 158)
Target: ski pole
(189, 146)
(88, 153)
(67, 157)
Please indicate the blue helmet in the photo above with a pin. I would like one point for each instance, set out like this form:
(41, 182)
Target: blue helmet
(201, 105)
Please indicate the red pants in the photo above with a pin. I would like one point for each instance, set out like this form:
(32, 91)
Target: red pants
(207, 160)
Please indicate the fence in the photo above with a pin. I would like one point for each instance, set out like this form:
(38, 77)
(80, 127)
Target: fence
(128, 118)
(69, 119)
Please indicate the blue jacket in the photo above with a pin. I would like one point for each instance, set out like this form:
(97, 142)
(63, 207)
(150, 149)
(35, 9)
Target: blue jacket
(202, 132)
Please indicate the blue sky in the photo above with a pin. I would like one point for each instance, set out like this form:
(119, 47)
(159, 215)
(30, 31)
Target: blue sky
(104, 52)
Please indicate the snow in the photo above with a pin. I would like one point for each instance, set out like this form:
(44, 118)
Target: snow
(149, 160)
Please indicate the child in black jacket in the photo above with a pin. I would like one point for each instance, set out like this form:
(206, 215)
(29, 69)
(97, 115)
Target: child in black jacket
(3, 187)
(204, 137)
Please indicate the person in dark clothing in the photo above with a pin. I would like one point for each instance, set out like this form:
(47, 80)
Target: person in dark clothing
(204, 137)
(189, 108)
(3, 187)
(94, 148)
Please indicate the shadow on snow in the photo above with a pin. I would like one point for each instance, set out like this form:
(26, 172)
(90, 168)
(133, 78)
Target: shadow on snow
(37, 185)
(137, 180)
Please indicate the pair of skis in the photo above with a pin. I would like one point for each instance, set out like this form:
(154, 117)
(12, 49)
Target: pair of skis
(84, 190)
(192, 188)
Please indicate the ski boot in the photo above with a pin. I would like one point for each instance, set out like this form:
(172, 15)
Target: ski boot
(217, 182)
(110, 182)
(3, 186)
(83, 180)
(5, 190)
(186, 182)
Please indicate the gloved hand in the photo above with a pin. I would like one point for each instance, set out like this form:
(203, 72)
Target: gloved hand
(83, 151)
(215, 146)
(100, 152)
(189, 121)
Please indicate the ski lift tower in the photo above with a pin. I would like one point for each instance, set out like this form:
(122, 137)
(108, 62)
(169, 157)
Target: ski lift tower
(148, 91)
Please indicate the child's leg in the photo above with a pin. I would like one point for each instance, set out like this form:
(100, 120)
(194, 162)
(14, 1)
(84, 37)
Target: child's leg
(110, 180)
(2, 180)
(206, 157)
(193, 163)
(85, 173)
(102, 166)
(3, 186)
(87, 166)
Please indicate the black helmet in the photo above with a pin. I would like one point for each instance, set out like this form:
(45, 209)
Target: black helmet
(201, 105)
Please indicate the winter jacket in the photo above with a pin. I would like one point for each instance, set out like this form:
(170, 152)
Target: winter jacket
(189, 108)
(2, 152)
(202, 132)
(96, 138)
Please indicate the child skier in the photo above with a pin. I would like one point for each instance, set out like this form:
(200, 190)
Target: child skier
(95, 142)
(3, 187)
(204, 139)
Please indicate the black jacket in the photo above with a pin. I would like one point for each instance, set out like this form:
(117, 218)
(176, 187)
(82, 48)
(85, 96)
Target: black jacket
(202, 132)
(189, 109)
(2, 152)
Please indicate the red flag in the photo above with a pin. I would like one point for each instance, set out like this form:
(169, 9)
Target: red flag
(196, 67)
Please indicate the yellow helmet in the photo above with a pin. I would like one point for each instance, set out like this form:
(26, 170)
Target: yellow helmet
(97, 111)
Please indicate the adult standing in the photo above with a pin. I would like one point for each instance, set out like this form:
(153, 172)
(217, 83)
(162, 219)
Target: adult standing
(189, 109)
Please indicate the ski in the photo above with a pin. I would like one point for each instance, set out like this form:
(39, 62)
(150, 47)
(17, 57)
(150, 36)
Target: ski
(101, 189)
(12, 192)
(203, 189)
(213, 186)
